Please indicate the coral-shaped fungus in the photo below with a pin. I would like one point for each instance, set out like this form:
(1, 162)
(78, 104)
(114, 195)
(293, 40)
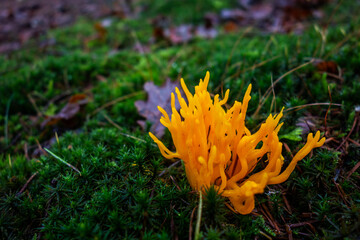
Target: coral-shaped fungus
(217, 148)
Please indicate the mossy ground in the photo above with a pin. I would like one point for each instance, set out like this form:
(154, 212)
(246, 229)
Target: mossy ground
(122, 191)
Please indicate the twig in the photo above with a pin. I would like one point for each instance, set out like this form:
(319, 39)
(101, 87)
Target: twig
(253, 67)
(341, 193)
(39, 113)
(191, 222)
(328, 110)
(26, 184)
(173, 180)
(270, 218)
(168, 168)
(353, 170)
(274, 96)
(289, 231)
(10, 164)
(342, 42)
(265, 235)
(310, 105)
(354, 142)
(333, 13)
(302, 223)
(120, 128)
(288, 207)
(198, 221)
(122, 98)
(230, 57)
(26, 152)
(351, 130)
(333, 76)
(63, 161)
(268, 91)
(40, 147)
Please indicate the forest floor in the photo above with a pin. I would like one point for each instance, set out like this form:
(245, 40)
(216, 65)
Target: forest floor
(76, 159)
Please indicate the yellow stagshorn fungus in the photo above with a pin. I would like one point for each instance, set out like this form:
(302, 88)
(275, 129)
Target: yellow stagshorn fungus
(217, 148)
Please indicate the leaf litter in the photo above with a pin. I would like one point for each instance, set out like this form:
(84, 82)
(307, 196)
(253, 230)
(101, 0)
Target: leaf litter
(157, 96)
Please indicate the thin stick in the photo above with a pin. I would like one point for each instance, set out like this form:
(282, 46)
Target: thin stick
(198, 221)
(40, 147)
(341, 43)
(31, 99)
(122, 98)
(265, 235)
(230, 57)
(294, 225)
(349, 134)
(274, 96)
(353, 170)
(120, 128)
(10, 164)
(311, 105)
(26, 184)
(253, 67)
(191, 222)
(268, 91)
(26, 151)
(168, 168)
(327, 111)
(63, 161)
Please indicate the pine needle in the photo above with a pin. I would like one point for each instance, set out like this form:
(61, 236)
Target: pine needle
(62, 160)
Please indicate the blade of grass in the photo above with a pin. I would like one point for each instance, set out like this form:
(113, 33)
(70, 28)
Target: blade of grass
(7, 120)
(62, 160)
(122, 98)
(268, 91)
(26, 184)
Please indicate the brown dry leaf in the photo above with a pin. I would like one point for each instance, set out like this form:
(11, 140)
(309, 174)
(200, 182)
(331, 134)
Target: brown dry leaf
(307, 124)
(157, 96)
(68, 114)
(327, 66)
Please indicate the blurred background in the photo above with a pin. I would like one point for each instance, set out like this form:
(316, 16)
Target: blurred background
(22, 20)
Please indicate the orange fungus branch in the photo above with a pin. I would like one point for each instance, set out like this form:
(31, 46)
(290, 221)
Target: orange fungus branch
(217, 148)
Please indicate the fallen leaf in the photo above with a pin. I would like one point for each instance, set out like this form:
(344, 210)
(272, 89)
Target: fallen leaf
(67, 117)
(306, 124)
(157, 96)
(327, 66)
